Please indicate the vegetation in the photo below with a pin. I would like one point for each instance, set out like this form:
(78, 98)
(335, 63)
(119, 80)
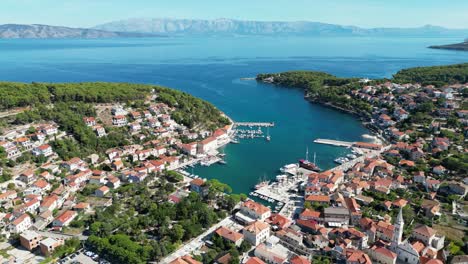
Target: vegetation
(191, 111)
(34, 94)
(141, 226)
(435, 75)
(322, 87)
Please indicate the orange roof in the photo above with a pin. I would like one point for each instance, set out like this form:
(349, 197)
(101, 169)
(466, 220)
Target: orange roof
(386, 252)
(318, 198)
(279, 220)
(257, 207)
(229, 234)
(208, 140)
(66, 216)
(198, 182)
(418, 246)
(400, 202)
(256, 227)
(255, 260)
(310, 213)
(41, 183)
(425, 230)
(185, 260)
(81, 205)
(103, 189)
(299, 260)
(20, 219)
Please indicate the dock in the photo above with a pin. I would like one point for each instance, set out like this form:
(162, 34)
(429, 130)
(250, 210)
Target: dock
(332, 142)
(254, 124)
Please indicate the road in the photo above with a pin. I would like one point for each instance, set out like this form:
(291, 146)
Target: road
(195, 243)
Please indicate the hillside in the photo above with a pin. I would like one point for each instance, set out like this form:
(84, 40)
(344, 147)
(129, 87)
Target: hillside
(16, 31)
(242, 27)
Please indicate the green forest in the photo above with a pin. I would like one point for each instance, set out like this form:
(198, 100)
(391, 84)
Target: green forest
(435, 75)
(322, 87)
(23, 94)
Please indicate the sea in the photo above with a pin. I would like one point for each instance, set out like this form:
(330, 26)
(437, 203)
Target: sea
(212, 67)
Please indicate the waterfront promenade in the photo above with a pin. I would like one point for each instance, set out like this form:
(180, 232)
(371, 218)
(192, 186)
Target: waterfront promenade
(255, 124)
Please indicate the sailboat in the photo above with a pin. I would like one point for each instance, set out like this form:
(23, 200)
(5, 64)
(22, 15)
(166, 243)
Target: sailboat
(306, 164)
(262, 183)
(268, 138)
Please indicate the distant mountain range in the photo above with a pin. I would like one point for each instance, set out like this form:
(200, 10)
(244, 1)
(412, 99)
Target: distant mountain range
(169, 26)
(45, 31)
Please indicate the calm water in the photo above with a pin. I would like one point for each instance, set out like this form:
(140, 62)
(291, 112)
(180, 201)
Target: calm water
(211, 67)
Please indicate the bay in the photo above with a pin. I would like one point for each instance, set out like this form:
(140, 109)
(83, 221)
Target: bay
(211, 68)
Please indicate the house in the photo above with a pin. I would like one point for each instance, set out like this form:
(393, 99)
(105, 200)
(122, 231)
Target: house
(382, 255)
(230, 235)
(27, 176)
(279, 221)
(81, 207)
(441, 143)
(100, 131)
(257, 232)
(42, 185)
(199, 186)
(64, 219)
(49, 203)
(89, 121)
(354, 256)
(48, 245)
(185, 260)
(439, 170)
(49, 130)
(113, 182)
(255, 210)
(299, 260)
(101, 191)
(24, 142)
(336, 216)
(255, 260)
(320, 199)
(431, 208)
(119, 120)
(30, 239)
(75, 164)
(416, 153)
(189, 149)
(207, 145)
(428, 236)
(20, 224)
(8, 196)
(45, 150)
(272, 251)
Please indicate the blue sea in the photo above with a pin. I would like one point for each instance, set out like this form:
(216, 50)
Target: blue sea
(211, 68)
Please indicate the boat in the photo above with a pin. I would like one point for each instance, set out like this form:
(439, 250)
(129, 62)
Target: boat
(268, 138)
(222, 162)
(351, 156)
(341, 160)
(306, 164)
(290, 169)
(234, 141)
(262, 183)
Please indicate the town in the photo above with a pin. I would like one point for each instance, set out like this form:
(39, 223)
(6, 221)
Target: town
(401, 201)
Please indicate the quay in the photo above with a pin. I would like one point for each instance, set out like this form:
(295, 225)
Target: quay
(254, 124)
(332, 142)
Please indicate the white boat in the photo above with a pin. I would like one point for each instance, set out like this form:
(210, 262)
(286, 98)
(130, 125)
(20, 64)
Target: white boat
(290, 168)
(341, 160)
(351, 156)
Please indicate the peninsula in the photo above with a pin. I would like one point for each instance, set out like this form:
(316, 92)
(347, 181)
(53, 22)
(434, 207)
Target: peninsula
(459, 46)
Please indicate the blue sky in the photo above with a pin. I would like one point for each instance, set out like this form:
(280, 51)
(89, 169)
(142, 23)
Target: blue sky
(364, 13)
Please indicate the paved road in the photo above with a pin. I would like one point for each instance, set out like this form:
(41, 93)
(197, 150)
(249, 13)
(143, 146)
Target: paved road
(195, 243)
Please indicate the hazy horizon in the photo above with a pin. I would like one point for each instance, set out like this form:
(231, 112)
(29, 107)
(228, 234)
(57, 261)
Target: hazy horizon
(365, 13)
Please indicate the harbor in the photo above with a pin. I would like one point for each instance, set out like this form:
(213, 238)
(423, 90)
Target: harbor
(337, 143)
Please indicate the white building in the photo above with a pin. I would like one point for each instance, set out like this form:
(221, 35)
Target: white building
(20, 224)
(45, 150)
(257, 232)
(255, 210)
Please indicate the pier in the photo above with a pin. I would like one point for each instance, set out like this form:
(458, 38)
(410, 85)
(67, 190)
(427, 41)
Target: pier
(254, 124)
(332, 142)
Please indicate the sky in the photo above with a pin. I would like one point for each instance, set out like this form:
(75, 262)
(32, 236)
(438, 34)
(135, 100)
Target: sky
(363, 13)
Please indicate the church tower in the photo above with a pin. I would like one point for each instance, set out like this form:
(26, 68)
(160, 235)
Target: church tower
(398, 231)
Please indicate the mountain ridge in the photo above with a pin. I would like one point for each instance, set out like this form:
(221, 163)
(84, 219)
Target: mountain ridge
(174, 26)
(40, 31)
